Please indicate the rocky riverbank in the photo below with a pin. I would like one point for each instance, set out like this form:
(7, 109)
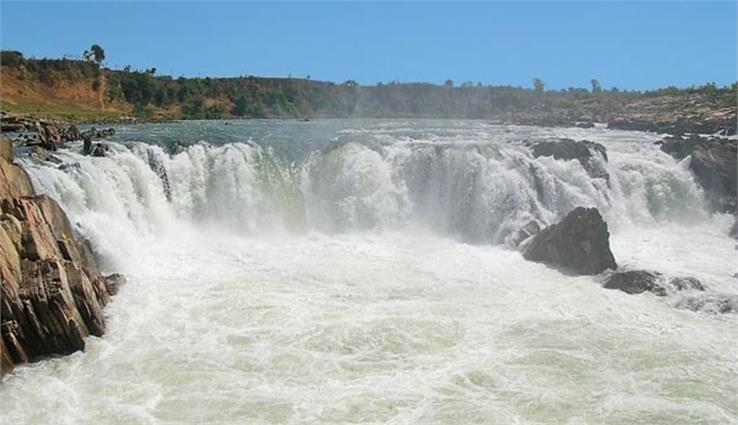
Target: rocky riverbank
(52, 291)
(675, 115)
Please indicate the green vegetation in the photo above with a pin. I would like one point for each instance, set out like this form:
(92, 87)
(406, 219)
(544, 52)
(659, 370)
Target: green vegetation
(250, 97)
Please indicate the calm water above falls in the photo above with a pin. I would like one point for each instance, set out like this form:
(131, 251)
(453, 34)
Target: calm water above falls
(361, 272)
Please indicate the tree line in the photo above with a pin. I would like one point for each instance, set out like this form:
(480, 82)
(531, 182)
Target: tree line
(253, 97)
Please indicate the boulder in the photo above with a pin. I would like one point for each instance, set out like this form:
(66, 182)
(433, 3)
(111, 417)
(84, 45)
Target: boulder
(99, 150)
(113, 282)
(584, 151)
(579, 242)
(639, 281)
(635, 282)
(714, 162)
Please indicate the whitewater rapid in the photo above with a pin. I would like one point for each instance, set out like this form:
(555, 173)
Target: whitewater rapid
(371, 279)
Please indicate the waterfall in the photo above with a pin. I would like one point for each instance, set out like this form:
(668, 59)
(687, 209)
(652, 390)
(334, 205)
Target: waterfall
(477, 192)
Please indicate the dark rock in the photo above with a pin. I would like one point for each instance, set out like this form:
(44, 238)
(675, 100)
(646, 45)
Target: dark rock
(714, 162)
(639, 281)
(583, 151)
(100, 150)
(635, 282)
(579, 242)
(681, 283)
(734, 229)
(710, 303)
(67, 166)
(87, 142)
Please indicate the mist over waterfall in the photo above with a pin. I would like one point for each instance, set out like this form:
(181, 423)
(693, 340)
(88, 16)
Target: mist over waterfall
(348, 271)
(476, 190)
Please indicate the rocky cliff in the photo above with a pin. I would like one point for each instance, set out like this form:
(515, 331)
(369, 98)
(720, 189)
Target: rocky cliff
(52, 291)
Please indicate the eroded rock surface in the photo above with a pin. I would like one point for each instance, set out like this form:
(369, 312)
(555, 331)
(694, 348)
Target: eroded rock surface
(52, 293)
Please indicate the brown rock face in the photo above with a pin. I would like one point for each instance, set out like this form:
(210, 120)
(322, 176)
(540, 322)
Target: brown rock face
(52, 293)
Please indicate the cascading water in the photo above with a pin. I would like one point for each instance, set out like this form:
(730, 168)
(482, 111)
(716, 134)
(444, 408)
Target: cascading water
(369, 276)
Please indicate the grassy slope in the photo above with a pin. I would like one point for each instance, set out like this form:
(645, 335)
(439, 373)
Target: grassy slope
(66, 99)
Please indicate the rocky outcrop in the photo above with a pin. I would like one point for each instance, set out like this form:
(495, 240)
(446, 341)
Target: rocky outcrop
(52, 293)
(584, 151)
(640, 281)
(48, 134)
(714, 162)
(580, 242)
(674, 114)
(635, 282)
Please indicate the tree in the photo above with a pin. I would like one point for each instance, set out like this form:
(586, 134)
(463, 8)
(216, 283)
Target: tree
(448, 83)
(538, 86)
(596, 88)
(95, 54)
(240, 106)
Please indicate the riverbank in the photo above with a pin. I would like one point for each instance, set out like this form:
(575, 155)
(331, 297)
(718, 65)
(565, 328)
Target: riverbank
(52, 290)
(84, 92)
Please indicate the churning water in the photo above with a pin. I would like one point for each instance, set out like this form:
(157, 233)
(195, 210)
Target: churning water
(364, 272)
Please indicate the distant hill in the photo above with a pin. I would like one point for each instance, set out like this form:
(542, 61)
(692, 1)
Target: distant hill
(82, 90)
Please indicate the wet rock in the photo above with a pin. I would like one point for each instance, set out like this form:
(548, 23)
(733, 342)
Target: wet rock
(635, 282)
(95, 149)
(639, 281)
(113, 282)
(734, 229)
(710, 303)
(579, 242)
(584, 151)
(67, 166)
(714, 162)
(87, 142)
(99, 150)
(44, 155)
(682, 283)
(52, 294)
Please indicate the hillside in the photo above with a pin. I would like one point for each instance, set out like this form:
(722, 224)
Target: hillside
(83, 91)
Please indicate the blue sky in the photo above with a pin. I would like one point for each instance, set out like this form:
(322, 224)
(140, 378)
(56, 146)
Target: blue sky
(631, 45)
